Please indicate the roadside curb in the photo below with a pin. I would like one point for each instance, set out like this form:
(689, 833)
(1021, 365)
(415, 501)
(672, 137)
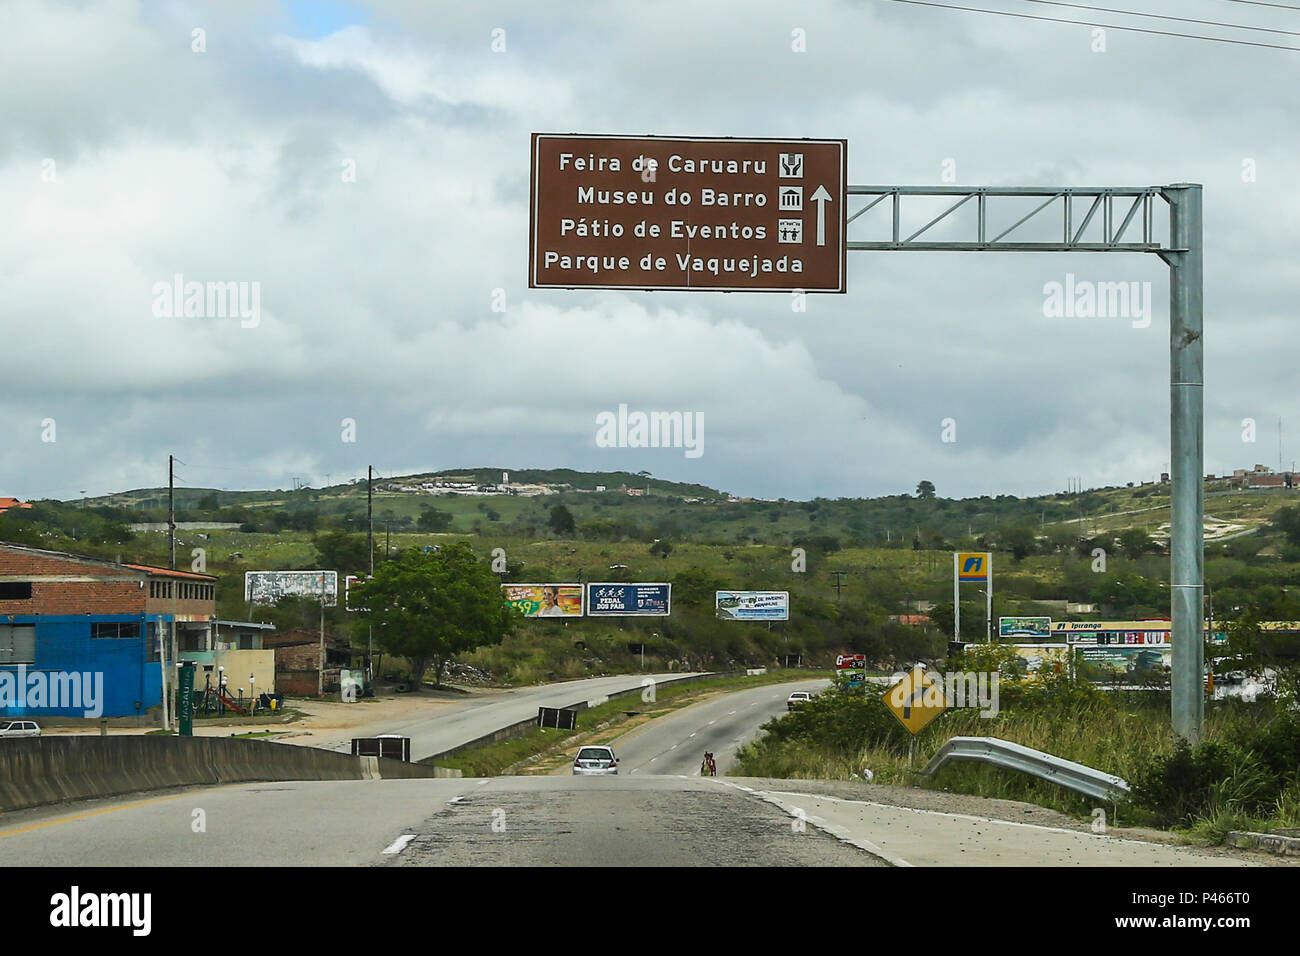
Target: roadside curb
(1278, 844)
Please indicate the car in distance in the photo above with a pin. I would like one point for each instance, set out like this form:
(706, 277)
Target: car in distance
(595, 761)
(19, 728)
(797, 698)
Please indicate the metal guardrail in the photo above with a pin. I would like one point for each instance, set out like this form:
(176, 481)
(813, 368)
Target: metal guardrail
(1003, 753)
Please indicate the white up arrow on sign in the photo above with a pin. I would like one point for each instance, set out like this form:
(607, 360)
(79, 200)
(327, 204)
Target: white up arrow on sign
(821, 197)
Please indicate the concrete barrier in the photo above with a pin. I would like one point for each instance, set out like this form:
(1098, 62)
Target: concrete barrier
(39, 771)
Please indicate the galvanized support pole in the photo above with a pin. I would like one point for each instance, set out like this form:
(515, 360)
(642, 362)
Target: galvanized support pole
(988, 606)
(956, 601)
(1186, 436)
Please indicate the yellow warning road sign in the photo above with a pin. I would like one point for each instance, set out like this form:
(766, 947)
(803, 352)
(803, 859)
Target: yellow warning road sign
(916, 700)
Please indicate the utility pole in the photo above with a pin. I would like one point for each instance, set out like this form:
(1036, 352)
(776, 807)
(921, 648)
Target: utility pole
(320, 670)
(171, 507)
(839, 581)
(370, 548)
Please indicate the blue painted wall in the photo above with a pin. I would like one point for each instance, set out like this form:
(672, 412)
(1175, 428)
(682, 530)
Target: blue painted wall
(63, 643)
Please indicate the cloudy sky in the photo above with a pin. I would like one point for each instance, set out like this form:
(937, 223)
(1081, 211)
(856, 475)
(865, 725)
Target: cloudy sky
(367, 166)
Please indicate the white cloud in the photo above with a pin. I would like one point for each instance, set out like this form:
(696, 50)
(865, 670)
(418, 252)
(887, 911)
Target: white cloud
(377, 293)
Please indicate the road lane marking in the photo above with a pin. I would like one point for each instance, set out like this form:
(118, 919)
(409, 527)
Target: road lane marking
(398, 845)
(86, 816)
(840, 833)
(730, 712)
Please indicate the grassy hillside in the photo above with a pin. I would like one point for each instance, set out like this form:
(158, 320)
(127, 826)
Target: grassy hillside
(894, 554)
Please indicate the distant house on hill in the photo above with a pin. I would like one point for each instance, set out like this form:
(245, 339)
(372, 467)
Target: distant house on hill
(7, 504)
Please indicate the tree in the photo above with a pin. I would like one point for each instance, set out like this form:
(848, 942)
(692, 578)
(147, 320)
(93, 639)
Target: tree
(431, 606)
(696, 587)
(1135, 542)
(925, 490)
(342, 552)
(561, 521)
(1020, 540)
(1287, 520)
(431, 519)
(825, 543)
(661, 548)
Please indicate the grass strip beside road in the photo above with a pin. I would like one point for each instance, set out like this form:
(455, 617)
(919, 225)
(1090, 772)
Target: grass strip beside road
(506, 756)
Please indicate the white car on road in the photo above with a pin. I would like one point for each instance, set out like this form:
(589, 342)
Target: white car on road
(19, 728)
(797, 698)
(595, 761)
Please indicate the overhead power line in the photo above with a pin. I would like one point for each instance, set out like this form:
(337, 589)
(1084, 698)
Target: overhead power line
(1161, 16)
(1105, 26)
(1262, 3)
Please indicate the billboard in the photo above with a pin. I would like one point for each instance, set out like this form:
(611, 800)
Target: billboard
(851, 669)
(267, 587)
(349, 581)
(544, 600)
(1035, 627)
(687, 212)
(1043, 658)
(752, 605)
(973, 566)
(1124, 664)
(629, 600)
(1111, 632)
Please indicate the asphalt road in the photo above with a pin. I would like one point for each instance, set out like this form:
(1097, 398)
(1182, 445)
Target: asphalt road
(676, 743)
(459, 722)
(657, 812)
(628, 820)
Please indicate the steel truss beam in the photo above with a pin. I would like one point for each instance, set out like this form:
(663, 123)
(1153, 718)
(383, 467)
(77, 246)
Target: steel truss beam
(1184, 253)
(1118, 207)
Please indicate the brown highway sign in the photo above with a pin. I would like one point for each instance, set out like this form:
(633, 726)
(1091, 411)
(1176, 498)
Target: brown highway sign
(687, 213)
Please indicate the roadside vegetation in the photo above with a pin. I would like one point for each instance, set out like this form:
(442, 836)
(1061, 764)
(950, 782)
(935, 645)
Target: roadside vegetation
(1244, 775)
(856, 568)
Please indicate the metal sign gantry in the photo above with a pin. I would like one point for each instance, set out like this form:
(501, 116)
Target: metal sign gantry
(1183, 251)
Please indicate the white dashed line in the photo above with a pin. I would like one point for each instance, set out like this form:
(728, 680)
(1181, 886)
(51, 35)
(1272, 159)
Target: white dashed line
(398, 845)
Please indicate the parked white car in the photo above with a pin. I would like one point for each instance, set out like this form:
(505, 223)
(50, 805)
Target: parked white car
(19, 728)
